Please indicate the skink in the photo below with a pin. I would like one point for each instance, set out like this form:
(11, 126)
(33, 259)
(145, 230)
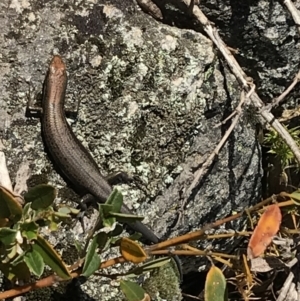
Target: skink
(73, 160)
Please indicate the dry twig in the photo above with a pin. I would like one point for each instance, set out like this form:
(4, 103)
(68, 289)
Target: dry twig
(200, 172)
(242, 78)
(281, 97)
(294, 12)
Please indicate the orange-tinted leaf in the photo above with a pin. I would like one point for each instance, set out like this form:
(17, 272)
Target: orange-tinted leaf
(267, 227)
(10, 205)
(132, 251)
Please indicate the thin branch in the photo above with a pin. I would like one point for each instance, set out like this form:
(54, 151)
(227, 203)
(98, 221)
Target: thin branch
(294, 12)
(52, 279)
(281, 97)
(200, 172)
(246, 84)
(235, 111)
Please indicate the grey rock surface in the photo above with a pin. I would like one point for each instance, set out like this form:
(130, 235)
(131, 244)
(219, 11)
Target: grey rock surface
(150, 96)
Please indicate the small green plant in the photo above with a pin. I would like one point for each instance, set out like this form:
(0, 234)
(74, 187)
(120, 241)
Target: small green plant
(279, 148)
(25, 252)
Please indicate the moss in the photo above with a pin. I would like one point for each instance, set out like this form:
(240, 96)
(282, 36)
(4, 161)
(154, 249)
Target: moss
(164, 283)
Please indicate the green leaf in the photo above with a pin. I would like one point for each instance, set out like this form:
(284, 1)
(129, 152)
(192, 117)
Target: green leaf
(51, 258)
(30, 230)
(104, 215)
(12, 252)
(78, 247)
(26, 211)
(41, 196)
(102, 240)
(8, 236)
(215, 285)
(18, 272)
(67, 210)
(135, 236)
(116, 200)
(132, 291)
(106, 209)
(126, 218)
(296, 197)
(35, 262)
(149, 266)
(53, 225)
(19, 259)
(154, 264)
(61, 215)
(92, 259)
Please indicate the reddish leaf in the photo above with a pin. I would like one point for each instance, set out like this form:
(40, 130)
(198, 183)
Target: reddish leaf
(267, 227)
